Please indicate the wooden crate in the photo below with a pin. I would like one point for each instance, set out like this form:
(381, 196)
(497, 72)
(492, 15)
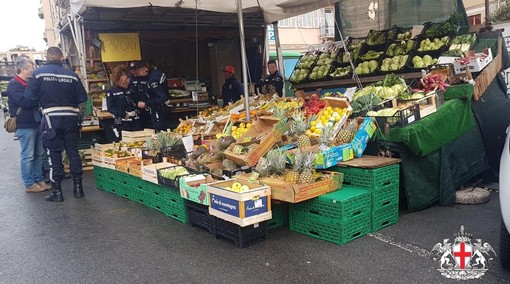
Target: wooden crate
(488, 74)
(136, 136)
(86, 161)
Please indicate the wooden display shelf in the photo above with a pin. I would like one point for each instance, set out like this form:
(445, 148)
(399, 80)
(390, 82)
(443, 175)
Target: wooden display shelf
(350, 81)
(91, 128)
(96, 80)
(188, 100)
(187, 109)
(370, 162)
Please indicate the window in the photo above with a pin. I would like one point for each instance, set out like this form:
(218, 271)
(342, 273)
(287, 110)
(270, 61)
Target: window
(315, 19)
(475, 20)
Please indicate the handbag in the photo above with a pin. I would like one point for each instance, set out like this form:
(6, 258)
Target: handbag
(10, 122)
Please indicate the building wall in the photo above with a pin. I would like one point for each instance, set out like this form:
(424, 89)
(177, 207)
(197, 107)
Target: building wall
(298, 39)
(9, 56)
(477, 7)
(49, 30)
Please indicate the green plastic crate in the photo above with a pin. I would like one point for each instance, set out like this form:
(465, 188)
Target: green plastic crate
(175, 212)
(370, 179)
(384, 197)
(339, 233)
(384, 218)
(338, 206)
(280, 215)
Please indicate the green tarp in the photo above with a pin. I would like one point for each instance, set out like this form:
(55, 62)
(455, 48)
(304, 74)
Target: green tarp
(428, 134)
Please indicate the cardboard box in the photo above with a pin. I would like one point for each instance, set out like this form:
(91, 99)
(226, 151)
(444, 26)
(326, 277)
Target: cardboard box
(294, 193)
(334, 155)
(269, 130)
(241, 208)
(194, 188)
(365, 132)
(476, 64)
(150, 170)
(136, 136)
(326, 158)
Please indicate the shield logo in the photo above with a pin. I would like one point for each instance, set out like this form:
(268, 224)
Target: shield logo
(462, 252)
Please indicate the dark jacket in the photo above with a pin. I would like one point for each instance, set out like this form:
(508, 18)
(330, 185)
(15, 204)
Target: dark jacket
(119, 101)
(15, 92)
(272, 81)
(158, 94)
(148, 89)
(231, 91)
(53, 85)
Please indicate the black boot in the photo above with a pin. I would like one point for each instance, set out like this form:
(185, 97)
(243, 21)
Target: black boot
(78, 188)
(56, 193)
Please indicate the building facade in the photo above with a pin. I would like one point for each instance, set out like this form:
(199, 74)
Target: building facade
(300, 32)
(475, 10)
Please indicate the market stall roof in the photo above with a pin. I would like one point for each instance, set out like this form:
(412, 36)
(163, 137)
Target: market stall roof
(272, 10)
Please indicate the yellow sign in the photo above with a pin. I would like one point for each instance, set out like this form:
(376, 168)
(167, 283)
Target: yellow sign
(120, 47)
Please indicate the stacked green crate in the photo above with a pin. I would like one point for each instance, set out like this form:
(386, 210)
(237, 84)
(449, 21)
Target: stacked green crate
(155, 196)
(339, 217)
(280, 215)
(383, 183)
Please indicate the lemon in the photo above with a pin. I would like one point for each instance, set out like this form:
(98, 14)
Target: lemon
(313, 123)
(249, 125)
(234, 128)
(323, 118)
(318, 131)
(329, 108)
(242, 125)
(312, 128)
(338, 118)
(337, 109)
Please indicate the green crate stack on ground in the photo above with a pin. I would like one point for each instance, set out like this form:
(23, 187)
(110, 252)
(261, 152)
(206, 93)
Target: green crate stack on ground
(280, 215)
(383, 183)
(155, 196)
(339, 217)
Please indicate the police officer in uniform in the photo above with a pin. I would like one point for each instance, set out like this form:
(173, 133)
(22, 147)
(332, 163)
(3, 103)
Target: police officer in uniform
(150, 94)
(273, 82)
(121, 103)
(59, 93)
(156, 83)
(138, 86)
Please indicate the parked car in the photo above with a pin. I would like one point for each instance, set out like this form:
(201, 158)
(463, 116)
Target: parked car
(504, 199)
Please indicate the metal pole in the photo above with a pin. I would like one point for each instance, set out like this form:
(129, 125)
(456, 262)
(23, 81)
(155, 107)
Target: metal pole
(279, 54)
(487, 11)
(243, 58)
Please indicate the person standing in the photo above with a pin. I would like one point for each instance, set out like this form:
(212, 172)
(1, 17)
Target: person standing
(273, 82)
(153, 98)
(232, 89)
(138, 86)
(27, 129)
(119, 99)
(59, 93)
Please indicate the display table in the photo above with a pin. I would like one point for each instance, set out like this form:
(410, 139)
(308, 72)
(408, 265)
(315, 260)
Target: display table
(450, 121)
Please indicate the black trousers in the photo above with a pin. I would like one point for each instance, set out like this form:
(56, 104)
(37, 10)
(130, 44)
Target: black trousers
(67, 134)
(145, 118)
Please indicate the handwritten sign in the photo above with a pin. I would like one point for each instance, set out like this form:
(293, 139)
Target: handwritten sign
(120, 47)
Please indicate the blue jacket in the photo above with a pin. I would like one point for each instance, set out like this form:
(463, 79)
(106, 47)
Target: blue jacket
(15, 91)
(148, 89)
(119, 101)
(231, 91)
(53, 85)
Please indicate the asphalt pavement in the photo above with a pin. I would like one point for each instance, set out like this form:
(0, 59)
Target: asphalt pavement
(104, 238)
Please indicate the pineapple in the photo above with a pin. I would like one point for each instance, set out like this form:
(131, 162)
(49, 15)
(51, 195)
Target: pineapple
(262, 167)
(347, 133)
(307, 174)
(293, 175)
(299, 127)
(276, 160)
(279, 112)
(326, 135)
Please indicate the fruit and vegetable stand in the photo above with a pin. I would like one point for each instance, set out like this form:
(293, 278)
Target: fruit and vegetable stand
(452, 144)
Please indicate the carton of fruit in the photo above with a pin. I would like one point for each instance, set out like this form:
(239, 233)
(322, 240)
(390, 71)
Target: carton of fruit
(474, 62)
(239, 202)
(194, 188)
(170, 176)
(136, 136)
(294, 193)
(257, 141)
(150, 170)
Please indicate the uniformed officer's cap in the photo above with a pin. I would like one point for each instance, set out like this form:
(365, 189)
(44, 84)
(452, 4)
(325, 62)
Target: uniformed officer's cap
(229, 69)
(136, 64)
